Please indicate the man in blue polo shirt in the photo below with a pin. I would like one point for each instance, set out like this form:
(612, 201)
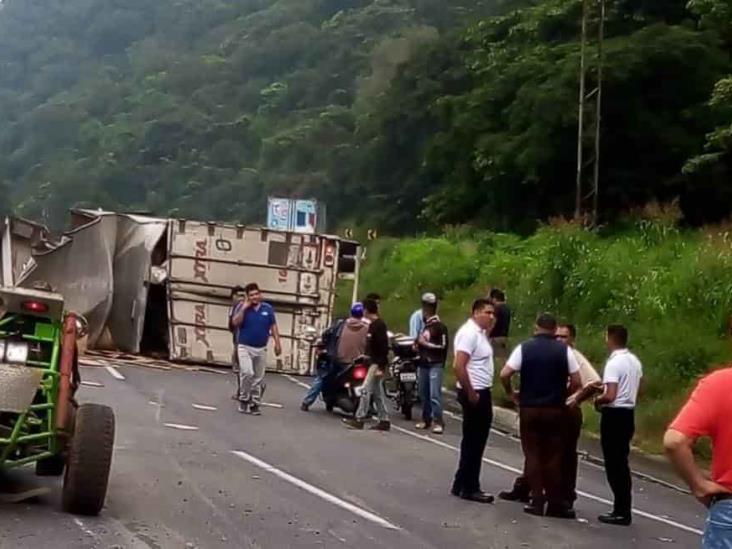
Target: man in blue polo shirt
(256, 322)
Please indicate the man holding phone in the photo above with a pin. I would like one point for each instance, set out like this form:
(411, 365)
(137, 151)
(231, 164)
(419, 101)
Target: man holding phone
(255, 322)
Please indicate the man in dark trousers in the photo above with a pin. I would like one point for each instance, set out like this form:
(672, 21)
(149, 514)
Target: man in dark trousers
(622, 379)
(544, 364)
(473, 366)
(377, 349)
(499, 332)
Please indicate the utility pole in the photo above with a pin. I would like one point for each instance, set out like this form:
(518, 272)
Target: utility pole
(590, 112)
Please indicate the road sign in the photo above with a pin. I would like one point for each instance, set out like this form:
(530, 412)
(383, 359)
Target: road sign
(348, 233)
(371, 234)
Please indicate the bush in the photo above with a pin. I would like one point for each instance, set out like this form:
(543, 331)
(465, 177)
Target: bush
(671, 288)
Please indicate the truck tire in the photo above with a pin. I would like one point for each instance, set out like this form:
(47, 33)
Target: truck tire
(51, 467)
(407, 404)
(89, 460)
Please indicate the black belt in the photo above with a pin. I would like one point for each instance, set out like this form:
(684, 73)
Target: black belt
(721, 497)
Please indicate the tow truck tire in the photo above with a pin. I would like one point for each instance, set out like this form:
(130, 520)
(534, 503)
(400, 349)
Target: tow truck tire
(51, 467)
(89, 460)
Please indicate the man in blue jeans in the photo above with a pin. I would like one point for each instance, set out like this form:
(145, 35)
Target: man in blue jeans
(707, 414)
(432, 347)
(344, 341)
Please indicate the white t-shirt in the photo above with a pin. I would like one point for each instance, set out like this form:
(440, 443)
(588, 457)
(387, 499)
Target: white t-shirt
(514, 361)
(623, 368)
(473, 340)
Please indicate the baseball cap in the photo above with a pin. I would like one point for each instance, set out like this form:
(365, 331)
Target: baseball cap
(429, 298)
(357, 310)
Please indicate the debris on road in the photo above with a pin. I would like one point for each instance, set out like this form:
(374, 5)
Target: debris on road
(272, 405)
(204, 407)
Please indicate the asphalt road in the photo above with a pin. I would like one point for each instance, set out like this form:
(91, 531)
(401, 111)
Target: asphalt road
(294, 479)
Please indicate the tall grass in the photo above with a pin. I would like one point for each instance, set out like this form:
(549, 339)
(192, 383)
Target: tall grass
(671, 288)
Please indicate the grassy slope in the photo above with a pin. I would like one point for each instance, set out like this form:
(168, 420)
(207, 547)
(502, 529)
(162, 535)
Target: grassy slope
(672, 289)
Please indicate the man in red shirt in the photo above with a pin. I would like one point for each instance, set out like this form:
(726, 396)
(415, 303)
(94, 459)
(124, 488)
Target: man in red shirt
(707, 414)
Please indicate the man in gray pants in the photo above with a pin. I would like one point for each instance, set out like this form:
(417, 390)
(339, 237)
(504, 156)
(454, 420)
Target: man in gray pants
(256, 322)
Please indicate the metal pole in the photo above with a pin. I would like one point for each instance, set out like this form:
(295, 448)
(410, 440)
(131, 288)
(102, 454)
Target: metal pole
(581, 115)
(598, 115)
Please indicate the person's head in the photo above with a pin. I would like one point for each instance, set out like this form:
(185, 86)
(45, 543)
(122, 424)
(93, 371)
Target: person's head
(238, 293)
(545, 323)
(616, 337)
(371, 308)
(253, 293)
(429, 305)
(566, 333)
(483, 313)
(497, 296)
(373, 297)
(357, 310)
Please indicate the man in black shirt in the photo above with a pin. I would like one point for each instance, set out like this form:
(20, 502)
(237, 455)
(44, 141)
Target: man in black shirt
(377, 349)
(499, 333)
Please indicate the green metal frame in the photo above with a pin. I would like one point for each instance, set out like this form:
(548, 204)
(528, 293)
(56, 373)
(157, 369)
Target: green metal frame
(38, 422)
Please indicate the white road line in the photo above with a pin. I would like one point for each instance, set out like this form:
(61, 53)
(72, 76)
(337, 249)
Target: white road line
(296, 381)
(272, 405)
(314, 490)
(92, 384)
(585, 495)
(114, 373)
(181, 427)
(204, 407)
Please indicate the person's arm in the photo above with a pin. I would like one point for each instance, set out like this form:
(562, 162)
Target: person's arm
(513, 365)
(575, 381)
(506, 374)
(275, 331)
(680, 451)
(239, 313)
(611, 378)
(460, 365)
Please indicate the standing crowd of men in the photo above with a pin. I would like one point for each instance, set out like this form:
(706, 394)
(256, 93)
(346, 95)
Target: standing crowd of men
(554, 380)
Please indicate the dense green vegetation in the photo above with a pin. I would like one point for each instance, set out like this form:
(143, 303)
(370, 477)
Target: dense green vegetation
(671, 287)
(403, 114)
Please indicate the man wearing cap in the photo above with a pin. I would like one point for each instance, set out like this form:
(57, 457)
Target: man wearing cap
(344, 341)
(432, 348)
(544, 364)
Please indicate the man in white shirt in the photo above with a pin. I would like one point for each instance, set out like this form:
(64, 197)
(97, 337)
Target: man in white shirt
(622, 380)
(473, 366)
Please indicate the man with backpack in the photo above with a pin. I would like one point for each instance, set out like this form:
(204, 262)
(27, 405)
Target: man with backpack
(343, 341)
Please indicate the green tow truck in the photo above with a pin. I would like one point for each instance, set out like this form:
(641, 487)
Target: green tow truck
(41, 423)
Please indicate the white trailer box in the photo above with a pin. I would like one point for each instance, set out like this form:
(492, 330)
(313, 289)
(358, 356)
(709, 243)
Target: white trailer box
(297, 274)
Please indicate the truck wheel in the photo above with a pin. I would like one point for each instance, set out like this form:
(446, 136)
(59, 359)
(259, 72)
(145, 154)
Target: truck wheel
(51, 467)
(89, 460)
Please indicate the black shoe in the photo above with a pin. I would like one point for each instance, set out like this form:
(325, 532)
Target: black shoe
(243, 408)
(304, 407)
(561, 512)
(381, 426)
(534, 509)
(353, 423)
(478, 497)
(513, 495)
(254, 410)
(455, 491)
(617, 520)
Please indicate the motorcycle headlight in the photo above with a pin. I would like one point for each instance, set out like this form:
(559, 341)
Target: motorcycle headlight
(14, 352)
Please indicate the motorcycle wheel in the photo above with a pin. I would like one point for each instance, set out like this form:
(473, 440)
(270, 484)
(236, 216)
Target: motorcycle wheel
(407, 404)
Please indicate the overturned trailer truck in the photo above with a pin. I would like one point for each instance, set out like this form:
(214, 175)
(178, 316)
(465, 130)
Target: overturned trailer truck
(162, 286)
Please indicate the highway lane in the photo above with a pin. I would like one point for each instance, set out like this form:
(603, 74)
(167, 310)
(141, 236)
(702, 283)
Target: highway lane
(192, 477)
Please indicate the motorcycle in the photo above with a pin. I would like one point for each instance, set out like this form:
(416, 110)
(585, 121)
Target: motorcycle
(342, 388)
(402, 386)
